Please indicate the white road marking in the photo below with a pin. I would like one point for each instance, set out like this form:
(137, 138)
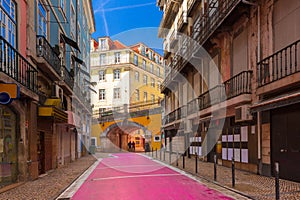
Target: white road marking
(136, 176)
(126, 166)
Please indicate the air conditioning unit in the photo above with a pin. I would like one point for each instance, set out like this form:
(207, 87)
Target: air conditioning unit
(242, 113)
(59, 93)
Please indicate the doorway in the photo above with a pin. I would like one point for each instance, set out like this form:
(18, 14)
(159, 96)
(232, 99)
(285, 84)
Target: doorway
(285, 138)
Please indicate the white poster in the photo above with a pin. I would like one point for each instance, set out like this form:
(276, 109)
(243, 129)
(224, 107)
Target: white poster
(224, 153)
(237, 155)
(245, 155)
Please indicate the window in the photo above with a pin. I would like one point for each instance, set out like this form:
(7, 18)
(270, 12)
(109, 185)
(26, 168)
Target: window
(42, 20)
(158, 85)
(102, 59)
(137, 76)
(145, 96)
(151, 68)
(144, 64)
(143, 50)
(117, 74)
(93, 141)
(101, 94)
(117, 57)
(101, 75)
(8, 21)
(135, 60)
(150, 55)
(158, 71)
(137, 95)
(117, 94)
(102, 44)
(145, 79)
(152, 98)
(102, 110)
(152, 82)
(157, 59)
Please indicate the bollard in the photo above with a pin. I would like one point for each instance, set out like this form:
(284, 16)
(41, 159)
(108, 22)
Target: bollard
(152, 151)
(196, 163)
(215, 167)
(177, 158)
(164, 154)
(277, 180)
(183, 161)
(160, 154)
(170, 154)
(233, 176)
(156, 153)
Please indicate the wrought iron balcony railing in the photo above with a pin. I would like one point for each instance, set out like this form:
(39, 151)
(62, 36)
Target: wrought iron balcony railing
(235, 86)
(13, 64)
(281, 64)
(45, 50)
(214, 15)
(67, 78)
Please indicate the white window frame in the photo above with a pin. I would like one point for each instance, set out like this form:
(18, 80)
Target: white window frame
(101, 94)
(102, 75)
(117, 74)
(117, 93)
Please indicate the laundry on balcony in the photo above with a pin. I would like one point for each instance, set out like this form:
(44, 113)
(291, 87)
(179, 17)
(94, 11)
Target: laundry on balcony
(69, 41)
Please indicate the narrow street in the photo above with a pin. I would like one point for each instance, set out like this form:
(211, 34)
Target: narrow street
(135, 176)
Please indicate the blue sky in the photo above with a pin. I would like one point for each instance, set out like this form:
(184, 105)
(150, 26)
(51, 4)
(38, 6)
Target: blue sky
(129, 21)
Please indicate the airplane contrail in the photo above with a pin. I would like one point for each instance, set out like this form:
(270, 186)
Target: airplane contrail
(124, 7)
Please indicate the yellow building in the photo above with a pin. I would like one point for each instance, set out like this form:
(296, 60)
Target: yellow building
(126, 79)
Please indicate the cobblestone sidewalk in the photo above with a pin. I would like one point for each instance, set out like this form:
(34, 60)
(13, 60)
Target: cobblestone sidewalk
(51, 185)
(252, 185)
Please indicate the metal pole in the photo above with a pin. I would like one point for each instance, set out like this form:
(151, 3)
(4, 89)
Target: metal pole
(215, 167)
(177, 158)
(196, 163)
(170, 154)
(152, 151)
(183, 160)
(160, 154)
(156, 152)
(277, 180)
(233, 176)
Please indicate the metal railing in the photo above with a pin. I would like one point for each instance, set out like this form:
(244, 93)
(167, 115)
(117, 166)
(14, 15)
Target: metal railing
(235, 86)
(13, 64)
(214, 15)
(45, 50)
(66, 75)
(281, 64)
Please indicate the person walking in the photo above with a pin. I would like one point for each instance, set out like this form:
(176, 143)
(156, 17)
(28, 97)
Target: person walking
(129, 146)
(133, 146)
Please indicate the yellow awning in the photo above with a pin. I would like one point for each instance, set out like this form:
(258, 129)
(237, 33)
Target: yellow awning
(53, 108)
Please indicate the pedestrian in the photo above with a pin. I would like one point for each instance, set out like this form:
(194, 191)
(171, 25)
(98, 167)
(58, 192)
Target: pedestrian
(133, 146)
(129, 145)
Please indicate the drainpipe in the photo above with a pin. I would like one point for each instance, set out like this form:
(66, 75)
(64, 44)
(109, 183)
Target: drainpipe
(259, 152)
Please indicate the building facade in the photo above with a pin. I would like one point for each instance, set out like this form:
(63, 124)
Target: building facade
(125, 77)
(240, 97)
(45, 56)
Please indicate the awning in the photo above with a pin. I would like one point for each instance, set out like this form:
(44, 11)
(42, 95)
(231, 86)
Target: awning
(73, 119)
(76, 59)
(54, 112)
(53, 108)
(287, 99)
(70, 42)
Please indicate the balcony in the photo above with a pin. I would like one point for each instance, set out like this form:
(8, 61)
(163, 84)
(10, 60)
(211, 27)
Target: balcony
(182, 19)
(279, 70)
(67, 77)
(46, 51)
(177, 114)
(235, 86)
(13, 64)
(213, 17)
(81, 96)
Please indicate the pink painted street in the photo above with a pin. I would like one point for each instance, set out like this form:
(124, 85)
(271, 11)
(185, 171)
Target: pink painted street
(134, 176)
